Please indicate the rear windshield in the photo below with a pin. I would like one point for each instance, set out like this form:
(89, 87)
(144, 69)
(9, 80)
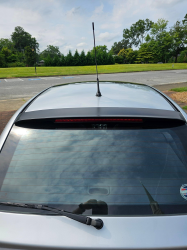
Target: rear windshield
(117, 171)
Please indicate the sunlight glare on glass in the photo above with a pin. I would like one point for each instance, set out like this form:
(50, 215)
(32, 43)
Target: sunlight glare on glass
(22, 132)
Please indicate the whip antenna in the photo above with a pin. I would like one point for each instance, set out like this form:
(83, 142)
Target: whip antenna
(98, 91)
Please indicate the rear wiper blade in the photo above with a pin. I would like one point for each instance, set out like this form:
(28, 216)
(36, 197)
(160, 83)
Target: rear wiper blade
(154, 204)
(98, 223)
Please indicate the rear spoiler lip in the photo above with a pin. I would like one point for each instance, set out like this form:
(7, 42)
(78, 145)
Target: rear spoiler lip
(174, 104)
(100, 112)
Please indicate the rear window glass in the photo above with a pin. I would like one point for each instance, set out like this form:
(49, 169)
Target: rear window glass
(113, 168)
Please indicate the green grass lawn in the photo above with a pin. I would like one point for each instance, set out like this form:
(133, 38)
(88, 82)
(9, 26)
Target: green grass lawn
(180, 89)
(81, 70)
(185, 107)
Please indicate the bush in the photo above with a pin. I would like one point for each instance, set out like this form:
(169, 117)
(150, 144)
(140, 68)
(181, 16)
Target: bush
(119, 59)
(2, 61)
(16, 64)
(183, 57)
(171, 60)
(12, 58)
(111, 59)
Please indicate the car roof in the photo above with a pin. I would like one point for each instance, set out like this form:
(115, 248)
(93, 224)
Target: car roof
(114, 94)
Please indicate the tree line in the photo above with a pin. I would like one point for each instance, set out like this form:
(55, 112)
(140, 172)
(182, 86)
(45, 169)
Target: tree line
(20, 50)
(53, 57)
(154, 42)
(23, 50)
(144, 42)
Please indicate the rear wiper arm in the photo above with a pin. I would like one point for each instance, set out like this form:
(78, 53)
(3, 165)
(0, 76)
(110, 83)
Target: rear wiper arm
(98, 223)
(154, 204)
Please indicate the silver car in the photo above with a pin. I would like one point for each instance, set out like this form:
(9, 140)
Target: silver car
(79, 171)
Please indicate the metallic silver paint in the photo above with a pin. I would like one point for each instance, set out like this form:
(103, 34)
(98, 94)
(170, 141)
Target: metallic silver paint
(154, 232)
(184, 114)
(9, 125)
(57, 232)
(113, 95)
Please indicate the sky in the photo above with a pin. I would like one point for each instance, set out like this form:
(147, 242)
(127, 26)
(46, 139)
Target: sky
(68, 23)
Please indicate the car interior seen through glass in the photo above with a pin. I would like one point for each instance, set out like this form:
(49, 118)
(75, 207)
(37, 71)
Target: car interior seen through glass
(112, 171)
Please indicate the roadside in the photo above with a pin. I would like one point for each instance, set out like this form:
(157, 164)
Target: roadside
(12, 104)
(18, 72)
(9, 107)
(179, 97)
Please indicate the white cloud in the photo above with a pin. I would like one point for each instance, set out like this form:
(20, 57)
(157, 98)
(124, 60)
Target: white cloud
(10, 17)
(161, 3)
(65, 49)
(98, 10)
(72, 12)
(68, 24)
(81, 44)
(106, 36)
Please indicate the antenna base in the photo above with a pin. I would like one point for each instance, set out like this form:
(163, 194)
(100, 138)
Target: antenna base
(98, 94)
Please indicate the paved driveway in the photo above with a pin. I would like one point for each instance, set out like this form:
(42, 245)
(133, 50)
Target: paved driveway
(28, 87)
(15, 92)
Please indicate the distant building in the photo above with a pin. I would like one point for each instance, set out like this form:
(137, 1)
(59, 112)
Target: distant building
(41, 63)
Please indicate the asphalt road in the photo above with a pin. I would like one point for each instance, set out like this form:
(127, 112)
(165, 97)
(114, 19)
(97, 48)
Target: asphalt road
(28, 87)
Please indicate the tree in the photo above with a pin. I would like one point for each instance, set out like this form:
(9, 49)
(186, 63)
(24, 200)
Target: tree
(2, 61)
(69, 59)
(22, 39)
(99, 49)
(48, 61)
(20, 56)
(137, 32)
(179, 34)
(56, 61)
(111, 59)
(76, 59)
(99, 57)
(83, 58)
(6, 43)
(6, 52)
(185, 19)
(119, 59)
(105, 58)
(101, 53)
(29, 56)
(159, 27)
(164, 43)
(116, 47)
(51, 50)
(129, 56)
(62, 60)
(183, 57)
(159, 42)
(12, 58)
(144, 54)
(89, 58)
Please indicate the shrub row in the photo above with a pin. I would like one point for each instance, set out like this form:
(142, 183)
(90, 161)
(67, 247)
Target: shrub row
(80, 59)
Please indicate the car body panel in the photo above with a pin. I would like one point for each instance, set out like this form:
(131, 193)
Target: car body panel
(29, 231)
(10, 123)
(157, 232)
(113, 95)
(184, 114)
(35, 103)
